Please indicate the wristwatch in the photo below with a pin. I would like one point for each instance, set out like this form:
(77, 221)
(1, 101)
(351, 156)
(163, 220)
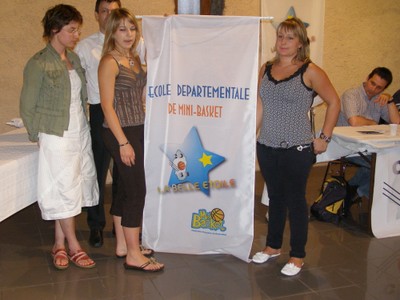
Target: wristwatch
(390, 101)
(322, 136)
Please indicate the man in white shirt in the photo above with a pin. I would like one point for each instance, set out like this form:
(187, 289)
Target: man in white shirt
(89, 51)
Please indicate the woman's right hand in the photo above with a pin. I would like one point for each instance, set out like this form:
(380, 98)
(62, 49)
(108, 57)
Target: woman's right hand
(127, 155)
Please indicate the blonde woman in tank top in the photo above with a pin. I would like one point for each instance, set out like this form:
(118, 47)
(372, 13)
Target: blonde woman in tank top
(122, 88)
(286, 147)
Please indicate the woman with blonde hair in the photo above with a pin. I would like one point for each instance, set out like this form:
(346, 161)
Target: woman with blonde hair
(122, 84)
(286, 147)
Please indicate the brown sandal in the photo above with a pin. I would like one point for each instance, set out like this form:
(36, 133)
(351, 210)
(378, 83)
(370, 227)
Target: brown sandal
(57, 255)
(143, 267)
(78, 257)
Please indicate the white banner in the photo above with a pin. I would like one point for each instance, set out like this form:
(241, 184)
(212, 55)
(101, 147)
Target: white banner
(385, 211)
(200, 133)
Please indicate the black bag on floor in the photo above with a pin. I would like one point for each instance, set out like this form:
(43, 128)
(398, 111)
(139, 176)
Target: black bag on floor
(329, 205)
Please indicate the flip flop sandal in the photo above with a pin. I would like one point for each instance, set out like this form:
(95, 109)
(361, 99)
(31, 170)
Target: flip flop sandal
(78, 257)
(143, 267)
(60, 254)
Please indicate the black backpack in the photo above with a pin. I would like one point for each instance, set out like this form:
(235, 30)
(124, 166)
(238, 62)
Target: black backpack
(329, 205)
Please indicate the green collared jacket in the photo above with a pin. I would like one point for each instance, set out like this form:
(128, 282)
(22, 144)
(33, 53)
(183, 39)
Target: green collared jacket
(46, 92)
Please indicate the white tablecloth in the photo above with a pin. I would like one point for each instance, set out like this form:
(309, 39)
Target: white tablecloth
(347, 141)
(385, 210)
(18, 172)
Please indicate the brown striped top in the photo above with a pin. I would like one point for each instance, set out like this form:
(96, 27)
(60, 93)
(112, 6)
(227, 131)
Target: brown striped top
(128, 103)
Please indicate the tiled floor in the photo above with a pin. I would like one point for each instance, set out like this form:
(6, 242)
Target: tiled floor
(343, 262)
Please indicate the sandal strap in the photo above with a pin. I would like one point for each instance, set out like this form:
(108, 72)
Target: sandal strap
(59, 255)
(60, 252)
(79, 255)
(145, 264)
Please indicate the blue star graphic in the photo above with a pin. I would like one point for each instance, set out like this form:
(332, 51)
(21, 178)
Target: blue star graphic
(190, 162)
(290, 14)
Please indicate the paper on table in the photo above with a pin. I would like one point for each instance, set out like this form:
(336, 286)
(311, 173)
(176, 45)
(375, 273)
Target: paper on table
(16, 122)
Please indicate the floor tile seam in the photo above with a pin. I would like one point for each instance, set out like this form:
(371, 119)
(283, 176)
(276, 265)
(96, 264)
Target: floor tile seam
(349, 278)
(345, 287)
(391, 275)
(4, 267)
(385, 272)
(344, 277)
(13, 288)
(41, 235)
(364, 287)
(350, 284)
(310, 269)
(267, 297)
(391, 248)
(294, 294)
(387, 262)
(97, 277)
(137, 294)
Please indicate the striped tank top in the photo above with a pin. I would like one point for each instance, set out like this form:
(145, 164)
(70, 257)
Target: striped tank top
(128, 91)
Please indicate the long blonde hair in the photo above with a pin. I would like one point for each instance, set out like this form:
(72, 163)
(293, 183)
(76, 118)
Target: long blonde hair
(113, 22)
(296, 26)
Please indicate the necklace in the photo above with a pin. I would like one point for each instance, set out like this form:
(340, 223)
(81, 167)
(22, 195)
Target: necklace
(130, 59)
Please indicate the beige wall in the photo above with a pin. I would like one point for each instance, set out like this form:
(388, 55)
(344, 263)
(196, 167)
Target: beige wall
(359, 35)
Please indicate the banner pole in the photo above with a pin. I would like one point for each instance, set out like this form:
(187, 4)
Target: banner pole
(266, 18)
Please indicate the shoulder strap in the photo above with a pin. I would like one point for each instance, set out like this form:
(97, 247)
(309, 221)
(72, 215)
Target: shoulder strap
(304, 67)
(268, 67)
(115, 60)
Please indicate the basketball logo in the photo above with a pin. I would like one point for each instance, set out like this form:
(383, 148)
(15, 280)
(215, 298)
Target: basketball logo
(217, 215)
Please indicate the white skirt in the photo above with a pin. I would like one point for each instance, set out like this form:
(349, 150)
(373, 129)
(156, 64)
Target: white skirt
(67, 178)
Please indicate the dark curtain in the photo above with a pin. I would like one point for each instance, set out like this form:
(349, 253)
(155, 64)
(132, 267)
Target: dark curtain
(208, 7)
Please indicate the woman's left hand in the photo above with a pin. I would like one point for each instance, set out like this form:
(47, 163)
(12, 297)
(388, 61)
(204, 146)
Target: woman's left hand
(319, 146)
(127, 155)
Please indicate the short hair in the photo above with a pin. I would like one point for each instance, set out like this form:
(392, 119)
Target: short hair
(57, 17)
(113, 22)
(383, 73)
(295, 25)
(96, 8)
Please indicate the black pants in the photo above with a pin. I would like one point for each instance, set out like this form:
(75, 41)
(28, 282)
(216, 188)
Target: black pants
(129, 201)
(95, 214)
(285, 172)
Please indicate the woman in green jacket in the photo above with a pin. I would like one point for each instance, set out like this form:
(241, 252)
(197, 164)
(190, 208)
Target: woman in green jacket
(52, 106)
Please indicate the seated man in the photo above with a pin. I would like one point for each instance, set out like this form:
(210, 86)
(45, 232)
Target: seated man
(365, 105)
(396, 98)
